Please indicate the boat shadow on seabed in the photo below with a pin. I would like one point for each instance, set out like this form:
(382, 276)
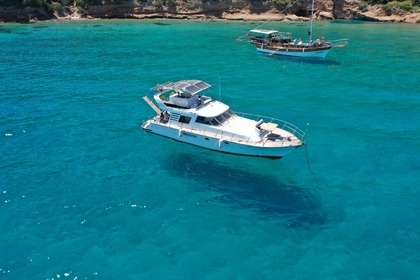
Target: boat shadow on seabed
(293, 206)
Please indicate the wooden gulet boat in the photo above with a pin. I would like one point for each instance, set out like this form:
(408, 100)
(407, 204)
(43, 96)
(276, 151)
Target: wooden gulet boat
(274, 42)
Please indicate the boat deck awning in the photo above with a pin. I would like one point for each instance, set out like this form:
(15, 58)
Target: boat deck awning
(264, 31)
(191, 86)
(187, 87)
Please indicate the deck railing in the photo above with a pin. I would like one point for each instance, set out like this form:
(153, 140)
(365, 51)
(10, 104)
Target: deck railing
(204, 132)
(300, 134)
(340, 43)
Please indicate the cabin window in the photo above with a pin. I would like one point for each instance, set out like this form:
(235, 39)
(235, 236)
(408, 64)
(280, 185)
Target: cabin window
(220, 119)
(203, 120)
(227, 115)
(184, 119)
(216, 121)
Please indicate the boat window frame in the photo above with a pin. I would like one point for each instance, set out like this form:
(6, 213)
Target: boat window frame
(218, 120)
(214, 122)
(184, 119)
(229, 114)
(203, 120)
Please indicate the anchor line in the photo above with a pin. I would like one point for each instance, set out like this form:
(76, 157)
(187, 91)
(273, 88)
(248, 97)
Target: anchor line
(307, 160)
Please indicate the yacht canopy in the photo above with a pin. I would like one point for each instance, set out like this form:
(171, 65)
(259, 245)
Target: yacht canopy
(186, 87)
(264, 31)
(191, 86)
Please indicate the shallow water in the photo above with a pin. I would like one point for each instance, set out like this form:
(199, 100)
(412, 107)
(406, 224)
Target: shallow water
(86, 194)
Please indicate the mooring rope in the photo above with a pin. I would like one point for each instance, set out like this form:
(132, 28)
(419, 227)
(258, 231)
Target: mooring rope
(307, 159)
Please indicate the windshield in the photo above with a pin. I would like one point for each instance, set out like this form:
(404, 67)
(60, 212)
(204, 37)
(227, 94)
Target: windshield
(218, 120)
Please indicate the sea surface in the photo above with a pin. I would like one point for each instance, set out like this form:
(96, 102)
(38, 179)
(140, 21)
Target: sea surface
(86, 194)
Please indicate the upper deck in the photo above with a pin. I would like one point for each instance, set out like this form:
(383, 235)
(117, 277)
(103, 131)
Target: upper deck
(183, 94)
(187, 95)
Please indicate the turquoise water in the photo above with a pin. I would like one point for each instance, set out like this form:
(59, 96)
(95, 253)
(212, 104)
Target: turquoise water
(85, 194)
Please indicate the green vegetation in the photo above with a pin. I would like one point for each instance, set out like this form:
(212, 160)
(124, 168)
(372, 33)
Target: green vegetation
(389, 6)
(282, 3)
(56, 7)
(406, 5)
(61, 7)
(363, 7)
(33, 3)
(45, 3)
(384, 2)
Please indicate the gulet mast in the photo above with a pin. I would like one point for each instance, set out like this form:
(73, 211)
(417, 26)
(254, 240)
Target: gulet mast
(312, 19)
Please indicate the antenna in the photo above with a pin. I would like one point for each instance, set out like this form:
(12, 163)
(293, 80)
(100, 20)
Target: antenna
(220, 94)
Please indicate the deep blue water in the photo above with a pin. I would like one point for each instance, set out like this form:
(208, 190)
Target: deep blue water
(85, 194)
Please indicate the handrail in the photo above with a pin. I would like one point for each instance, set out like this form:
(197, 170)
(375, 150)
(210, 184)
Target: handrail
(291, 128)
(284, 124)
(340, 43)
(203, 132)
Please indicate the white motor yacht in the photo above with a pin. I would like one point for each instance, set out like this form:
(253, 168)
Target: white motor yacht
(186, 115)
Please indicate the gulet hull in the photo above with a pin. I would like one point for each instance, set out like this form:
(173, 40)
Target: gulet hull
(296, 52)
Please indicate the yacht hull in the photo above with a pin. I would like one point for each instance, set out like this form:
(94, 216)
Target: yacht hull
(224, 145)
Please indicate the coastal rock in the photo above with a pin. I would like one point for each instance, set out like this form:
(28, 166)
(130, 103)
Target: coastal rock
(228, 10)
(112, 11)
(26, 15)
(247, 15)
(325, 15)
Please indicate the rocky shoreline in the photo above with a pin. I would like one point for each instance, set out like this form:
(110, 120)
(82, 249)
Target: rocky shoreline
(325, 10)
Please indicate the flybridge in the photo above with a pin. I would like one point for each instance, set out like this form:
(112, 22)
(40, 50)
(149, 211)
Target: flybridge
(182, 94)
(186, 88)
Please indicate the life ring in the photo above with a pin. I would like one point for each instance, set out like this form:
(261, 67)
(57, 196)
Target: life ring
(163, 98)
